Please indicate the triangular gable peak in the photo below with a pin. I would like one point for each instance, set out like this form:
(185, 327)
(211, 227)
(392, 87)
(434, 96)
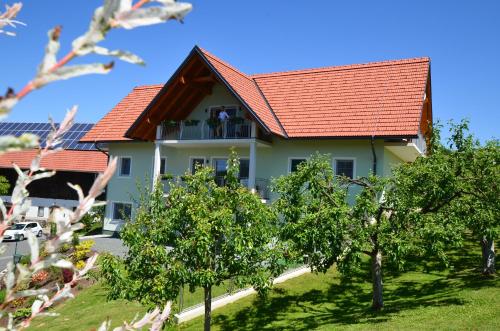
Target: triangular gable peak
(193, 81)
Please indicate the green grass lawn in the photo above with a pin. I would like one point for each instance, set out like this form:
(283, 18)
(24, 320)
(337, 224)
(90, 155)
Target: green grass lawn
(456, 299)
(90, 308)
(459, 299)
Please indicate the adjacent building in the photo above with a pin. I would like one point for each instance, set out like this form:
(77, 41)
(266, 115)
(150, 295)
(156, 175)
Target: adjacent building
(368, 117)
(78, 163)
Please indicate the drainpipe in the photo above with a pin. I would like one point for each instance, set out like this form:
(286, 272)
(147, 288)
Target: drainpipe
(374, 167)
(96, 145)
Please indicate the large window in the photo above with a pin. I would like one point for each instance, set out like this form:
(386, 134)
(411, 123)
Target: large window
(196, 162)
(344, 167)
(41, 212)
(244, 168)
(220, 166)
(122, 211)
(125, 166)
(294, 162)
(163, 166)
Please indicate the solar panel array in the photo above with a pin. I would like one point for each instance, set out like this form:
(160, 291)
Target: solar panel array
(70, 138)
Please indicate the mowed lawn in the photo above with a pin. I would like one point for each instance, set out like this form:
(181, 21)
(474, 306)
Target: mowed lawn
(456, 299)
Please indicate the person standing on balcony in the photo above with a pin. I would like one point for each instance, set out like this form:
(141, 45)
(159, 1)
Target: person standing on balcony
(223, 117)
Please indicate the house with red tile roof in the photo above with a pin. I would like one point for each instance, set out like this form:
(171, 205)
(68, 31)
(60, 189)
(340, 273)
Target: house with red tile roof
(368, 117)
(76, 163)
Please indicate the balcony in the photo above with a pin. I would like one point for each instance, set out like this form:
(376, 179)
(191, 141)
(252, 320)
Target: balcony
(261, 185)
(408, 149)
(234, 128)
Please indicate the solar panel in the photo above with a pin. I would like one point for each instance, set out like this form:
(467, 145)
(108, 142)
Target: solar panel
(70, 138)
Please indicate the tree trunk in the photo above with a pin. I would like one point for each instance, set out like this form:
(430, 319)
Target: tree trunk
(488, 250)
(378, 301)
(208, 307)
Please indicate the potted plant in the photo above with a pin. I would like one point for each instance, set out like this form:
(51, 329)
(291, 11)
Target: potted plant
(237, 120)
(212, 123)
(191, 122)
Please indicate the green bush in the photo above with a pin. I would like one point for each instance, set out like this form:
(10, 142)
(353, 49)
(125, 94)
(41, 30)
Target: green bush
(22, 313)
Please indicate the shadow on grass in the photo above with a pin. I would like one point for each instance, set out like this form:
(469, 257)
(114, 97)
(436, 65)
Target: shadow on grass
(339, 302)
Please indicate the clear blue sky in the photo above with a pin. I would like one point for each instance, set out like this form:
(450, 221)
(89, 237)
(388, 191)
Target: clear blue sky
(462, 38)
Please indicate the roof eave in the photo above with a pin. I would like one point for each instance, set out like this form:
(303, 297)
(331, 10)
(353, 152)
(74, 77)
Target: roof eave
(228, 86)
(128, 133)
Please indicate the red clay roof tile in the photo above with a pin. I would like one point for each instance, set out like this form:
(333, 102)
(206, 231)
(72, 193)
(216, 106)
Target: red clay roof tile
(380, 99)
(248, 90)
(113, 125)
(65, 160)
(374, 99)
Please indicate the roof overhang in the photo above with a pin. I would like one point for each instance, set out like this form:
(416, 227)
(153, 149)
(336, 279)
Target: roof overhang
(406, 151)
(188, 86)
(213, 143)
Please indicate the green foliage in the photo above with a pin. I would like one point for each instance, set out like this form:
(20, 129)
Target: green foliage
(93, 220)
(314, 213)
(75, 239)
(423, 209)
(454, 188)
(82, 251)
(199, 235)
(21, 313)
(4, 185)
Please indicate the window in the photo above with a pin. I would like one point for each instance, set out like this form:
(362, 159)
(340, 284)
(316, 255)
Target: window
(196, 162)
(293, 163)
(125, 166)
(163, 166)
(220, 166)
(122, 211)
(344, 167)
(41, 212)
(244, 168)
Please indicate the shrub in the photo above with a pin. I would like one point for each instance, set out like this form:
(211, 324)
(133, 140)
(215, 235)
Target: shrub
(93, 219)
(64, 248)
(75, 239)
(19, 302)
(22, 313)
(25, 260)
(82, 250)
(80, 265)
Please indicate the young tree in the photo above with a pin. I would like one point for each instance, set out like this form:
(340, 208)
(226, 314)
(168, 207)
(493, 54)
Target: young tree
(318, 222)
(200, 235)
(112, 14)
(459, 184)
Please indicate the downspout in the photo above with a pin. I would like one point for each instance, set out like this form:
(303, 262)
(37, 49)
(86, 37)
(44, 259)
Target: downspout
(374, 156)
(96, 145)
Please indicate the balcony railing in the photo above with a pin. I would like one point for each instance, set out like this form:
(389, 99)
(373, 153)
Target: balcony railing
(235, 128)
(261, 185)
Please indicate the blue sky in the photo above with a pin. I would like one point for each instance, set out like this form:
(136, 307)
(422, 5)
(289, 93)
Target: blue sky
(462, 38)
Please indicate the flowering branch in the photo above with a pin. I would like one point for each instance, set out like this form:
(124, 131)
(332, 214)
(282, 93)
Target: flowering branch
(8, 17)
(113, 14)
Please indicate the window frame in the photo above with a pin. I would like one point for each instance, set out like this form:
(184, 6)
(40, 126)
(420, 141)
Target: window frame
(291, 158)
(42, 209)
(113, 206)
(120, 158)
(153, 165)
(213, 158)
(344, 158)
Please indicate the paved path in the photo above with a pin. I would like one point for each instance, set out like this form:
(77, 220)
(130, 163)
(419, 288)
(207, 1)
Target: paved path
(110, 245)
